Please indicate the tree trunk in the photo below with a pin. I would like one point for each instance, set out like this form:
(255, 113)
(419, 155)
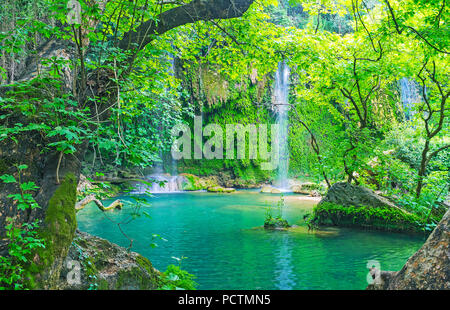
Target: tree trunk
(422, 168)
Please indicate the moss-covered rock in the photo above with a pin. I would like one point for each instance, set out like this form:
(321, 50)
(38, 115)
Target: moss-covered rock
(355, 206)
(236, 174)
(107, 266)
(220, 189)
(276, 223)
(368, 217)
(57, 233)
(308, 188)
(266, 189)
(270, 190)
(195, 183)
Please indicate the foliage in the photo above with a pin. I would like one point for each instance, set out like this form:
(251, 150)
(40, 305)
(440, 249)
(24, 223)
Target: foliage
(175, 278)
(276, 220)
(22, 237)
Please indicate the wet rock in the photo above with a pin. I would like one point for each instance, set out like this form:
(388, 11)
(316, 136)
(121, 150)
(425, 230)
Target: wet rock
(308, 188)
(220, 189)
(298, 190)
(427, 269)
(266, 189)
(194, 183)
(346, 194)
(104, 265)
(347, 205)
(270, 190)
(276, 223)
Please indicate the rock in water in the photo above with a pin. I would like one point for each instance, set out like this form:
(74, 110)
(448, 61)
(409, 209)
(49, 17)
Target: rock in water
(276, 223)
(346, 194)
(266, 189)
(220, 189)
(427, 269)
(95, 263)
(355, 206)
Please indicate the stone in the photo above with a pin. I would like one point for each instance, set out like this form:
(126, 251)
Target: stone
(346, 194)
(266, 189)
(348, 205)
(307, 188)
(298, 190)
(194, 183)
(427, 269)
(276, 223)
(220, 189)
(105, 265)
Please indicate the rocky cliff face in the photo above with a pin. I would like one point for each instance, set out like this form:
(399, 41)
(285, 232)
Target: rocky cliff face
(427, 269)
(95, 263)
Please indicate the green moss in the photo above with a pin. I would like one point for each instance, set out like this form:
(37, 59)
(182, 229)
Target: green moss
(90, 267)
(274, 223)
(57, 232)
(144, 263)
(137, 278)
(103, 284)
(195, 183)
(381, 218)
(220, 189)
(134, 278)
(311, 186)
(192, 183)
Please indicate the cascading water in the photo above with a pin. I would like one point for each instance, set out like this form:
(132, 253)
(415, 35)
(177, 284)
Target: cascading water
(281, 105)
(164, 182)
(171, 184)
(409, 95)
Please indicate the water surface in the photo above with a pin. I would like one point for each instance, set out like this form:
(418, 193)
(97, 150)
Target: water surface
(224, 248)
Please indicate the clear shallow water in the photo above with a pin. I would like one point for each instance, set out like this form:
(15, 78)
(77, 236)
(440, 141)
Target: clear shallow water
(225, 250)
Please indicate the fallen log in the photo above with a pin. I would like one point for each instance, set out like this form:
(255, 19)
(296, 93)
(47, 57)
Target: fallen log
(116, 204)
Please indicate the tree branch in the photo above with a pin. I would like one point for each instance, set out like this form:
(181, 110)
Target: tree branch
(196, 10)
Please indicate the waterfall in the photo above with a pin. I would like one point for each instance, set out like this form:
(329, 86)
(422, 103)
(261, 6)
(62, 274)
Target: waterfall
(281, 105)
(409, 95)
(172, 184)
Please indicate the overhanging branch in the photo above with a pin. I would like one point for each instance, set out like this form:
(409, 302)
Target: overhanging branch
(196, 10)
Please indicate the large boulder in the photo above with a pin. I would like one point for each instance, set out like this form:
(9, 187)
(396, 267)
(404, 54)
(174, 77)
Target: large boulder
(195, 183)
(427, 269)
(276, 223)
(308, 188)
(355, 206)
(105, 265)
(347, 194)
(268, 189)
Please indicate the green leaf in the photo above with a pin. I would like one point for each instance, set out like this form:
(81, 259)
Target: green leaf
(7, 178)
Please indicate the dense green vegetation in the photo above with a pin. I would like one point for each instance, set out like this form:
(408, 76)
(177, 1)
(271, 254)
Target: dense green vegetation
(101, 95)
